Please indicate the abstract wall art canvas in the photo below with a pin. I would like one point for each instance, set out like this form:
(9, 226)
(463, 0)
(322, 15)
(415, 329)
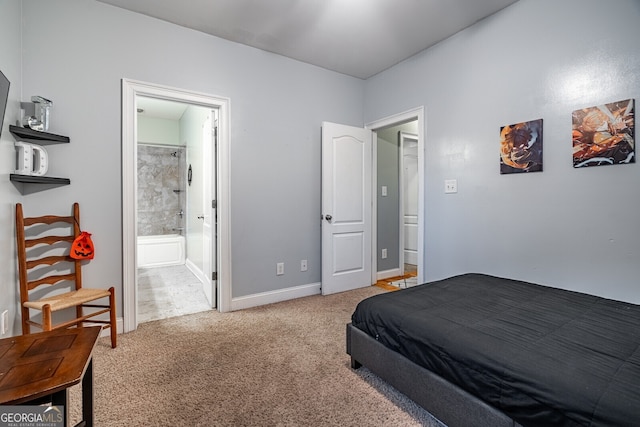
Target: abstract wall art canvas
(521, 147)
(604, 134)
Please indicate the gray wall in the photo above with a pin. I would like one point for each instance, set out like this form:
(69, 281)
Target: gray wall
(75, 52)
(10, 64)
(575, 229)
(571, 228)
(154, 130)
(388, 226)
(387, 214)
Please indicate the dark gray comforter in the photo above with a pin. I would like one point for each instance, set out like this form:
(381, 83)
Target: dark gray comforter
(541, 355)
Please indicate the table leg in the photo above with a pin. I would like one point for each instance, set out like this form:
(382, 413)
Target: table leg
(61, 398)
(87, 395)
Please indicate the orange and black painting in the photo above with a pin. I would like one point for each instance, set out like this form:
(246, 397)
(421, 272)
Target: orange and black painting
(521, 147)
(604, 135)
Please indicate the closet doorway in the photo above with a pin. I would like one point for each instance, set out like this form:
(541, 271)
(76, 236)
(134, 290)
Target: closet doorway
(399, 199)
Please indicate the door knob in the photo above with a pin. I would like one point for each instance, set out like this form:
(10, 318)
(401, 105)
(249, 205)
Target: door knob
(200, 216)
(328, 217)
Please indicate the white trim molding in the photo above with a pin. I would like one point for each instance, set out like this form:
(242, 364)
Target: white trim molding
(386, 274)
(271, 297)
(131, 89)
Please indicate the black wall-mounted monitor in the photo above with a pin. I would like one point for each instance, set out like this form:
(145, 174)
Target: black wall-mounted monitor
(4, 95)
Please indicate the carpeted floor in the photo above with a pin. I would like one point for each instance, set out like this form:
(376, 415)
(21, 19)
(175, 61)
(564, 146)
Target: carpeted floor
(278, 365)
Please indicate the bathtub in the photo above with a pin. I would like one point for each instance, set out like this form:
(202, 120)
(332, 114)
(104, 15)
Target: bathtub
(160, 251)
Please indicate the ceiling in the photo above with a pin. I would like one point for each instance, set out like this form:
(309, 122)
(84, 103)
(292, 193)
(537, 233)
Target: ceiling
(160, 108)
(359, 38)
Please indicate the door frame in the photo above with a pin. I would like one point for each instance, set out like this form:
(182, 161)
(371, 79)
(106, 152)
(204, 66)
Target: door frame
(402, 138)
(131, 89)
(396, 119)
(209, 221)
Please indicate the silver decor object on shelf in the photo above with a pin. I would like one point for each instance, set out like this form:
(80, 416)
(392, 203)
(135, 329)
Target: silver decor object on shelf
(37, 113)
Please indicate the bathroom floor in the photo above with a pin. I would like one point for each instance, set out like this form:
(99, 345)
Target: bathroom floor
(168, 292)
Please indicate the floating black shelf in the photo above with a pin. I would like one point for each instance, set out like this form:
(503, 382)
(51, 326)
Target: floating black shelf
(36, 136)
(32, 179)
(28, 184)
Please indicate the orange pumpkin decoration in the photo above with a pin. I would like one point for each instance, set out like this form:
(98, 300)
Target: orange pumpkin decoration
(82, 247)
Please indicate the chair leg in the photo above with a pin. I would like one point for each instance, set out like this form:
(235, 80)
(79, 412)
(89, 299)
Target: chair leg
(26, 327)
(79, 314)
(46, 317)
(112, 317)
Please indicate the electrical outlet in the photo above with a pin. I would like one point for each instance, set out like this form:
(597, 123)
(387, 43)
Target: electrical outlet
(280, 269)
(303, 265)
(384, 254)
(451, 186)
(4, 322)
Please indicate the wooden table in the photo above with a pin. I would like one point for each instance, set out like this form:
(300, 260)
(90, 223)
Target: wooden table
(44, 365)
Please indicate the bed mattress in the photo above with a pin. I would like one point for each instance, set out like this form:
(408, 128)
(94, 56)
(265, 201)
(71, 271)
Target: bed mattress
(543, 356)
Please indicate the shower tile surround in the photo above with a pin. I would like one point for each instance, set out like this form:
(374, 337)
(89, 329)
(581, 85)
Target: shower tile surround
(161, 170)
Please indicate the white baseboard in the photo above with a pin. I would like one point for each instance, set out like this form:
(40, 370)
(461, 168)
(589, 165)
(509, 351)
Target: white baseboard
(411, 257)
(388, 273)
(271, 297)
(195, 270)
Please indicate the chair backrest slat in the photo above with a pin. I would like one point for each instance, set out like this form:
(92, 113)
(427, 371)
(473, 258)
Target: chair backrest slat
(49, 260)
(50, 280)
(47, 219)
(32, 252)
(47, 240)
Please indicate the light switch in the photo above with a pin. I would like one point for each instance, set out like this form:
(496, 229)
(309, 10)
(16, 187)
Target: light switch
(384, 191)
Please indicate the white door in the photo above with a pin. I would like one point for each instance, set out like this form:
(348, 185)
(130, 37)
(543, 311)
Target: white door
(212, 231)
(346, 207)
(207, 208)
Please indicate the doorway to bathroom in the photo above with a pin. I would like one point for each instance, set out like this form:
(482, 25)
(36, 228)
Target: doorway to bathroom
(175, 171)
(175, 202)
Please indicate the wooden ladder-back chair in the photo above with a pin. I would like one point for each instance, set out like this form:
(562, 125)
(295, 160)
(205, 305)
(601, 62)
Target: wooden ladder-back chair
(44, 264)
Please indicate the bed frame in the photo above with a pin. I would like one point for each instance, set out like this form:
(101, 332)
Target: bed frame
(445, 401)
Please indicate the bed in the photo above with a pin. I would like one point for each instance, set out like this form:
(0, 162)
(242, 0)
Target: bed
(479, 350)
